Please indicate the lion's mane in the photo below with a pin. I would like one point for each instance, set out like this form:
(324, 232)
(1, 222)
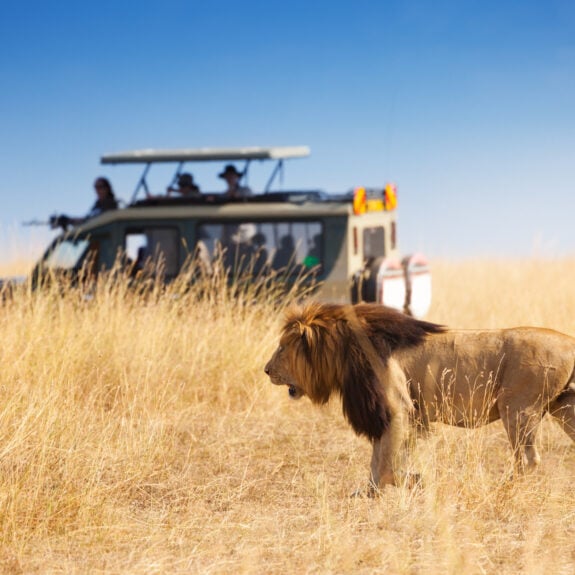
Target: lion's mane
(341, 349)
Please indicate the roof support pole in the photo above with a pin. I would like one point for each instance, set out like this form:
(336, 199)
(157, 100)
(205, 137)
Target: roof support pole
(142, 183)
(278, 168)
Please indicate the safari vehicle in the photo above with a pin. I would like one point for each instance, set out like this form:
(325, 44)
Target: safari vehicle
(348, 241)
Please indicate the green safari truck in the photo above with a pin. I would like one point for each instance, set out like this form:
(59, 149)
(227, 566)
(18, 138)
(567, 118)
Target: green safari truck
(347, 240)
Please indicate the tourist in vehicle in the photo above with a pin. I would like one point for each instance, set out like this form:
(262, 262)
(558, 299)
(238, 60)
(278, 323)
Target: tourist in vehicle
(186, 187)
(285, 255)
(232, 178)
(238, 255)
(106, 201)
(313, 257)
(106, 198)
(261, 254)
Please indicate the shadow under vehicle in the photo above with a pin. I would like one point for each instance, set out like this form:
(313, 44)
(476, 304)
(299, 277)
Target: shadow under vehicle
(347, 242)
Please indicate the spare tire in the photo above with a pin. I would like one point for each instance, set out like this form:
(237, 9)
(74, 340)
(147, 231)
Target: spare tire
(418, 285)
(382, 280)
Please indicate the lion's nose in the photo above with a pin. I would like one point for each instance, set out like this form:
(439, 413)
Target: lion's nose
(267, 368)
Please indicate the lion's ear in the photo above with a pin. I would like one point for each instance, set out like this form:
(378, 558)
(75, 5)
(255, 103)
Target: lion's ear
(307, 335)
(301, 331)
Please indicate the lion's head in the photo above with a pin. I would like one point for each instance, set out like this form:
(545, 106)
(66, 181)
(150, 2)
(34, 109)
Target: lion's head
(327, 348)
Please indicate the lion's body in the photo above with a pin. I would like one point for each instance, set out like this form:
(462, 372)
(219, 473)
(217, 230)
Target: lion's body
(466, 378)
(392, 370)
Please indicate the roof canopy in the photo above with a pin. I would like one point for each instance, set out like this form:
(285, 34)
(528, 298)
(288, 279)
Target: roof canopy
(206, 155)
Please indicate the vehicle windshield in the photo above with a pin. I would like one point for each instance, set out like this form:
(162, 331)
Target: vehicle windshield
(289, 247)
(66, 254)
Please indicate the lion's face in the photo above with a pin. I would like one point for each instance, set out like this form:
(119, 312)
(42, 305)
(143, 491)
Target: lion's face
(280, 373)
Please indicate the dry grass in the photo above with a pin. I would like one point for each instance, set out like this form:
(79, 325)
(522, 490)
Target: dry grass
(142, 436)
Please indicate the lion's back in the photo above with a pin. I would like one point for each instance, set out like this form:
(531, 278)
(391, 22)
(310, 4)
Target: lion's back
(500, 350)
(464, 372)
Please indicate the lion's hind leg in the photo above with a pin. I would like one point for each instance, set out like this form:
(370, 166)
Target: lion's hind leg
(522, 428)
(563, 410)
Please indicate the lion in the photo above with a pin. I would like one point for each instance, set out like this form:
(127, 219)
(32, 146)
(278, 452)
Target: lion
(395, 373)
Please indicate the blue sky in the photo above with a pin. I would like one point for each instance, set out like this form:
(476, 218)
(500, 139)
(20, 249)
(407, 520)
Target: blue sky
(467, 105)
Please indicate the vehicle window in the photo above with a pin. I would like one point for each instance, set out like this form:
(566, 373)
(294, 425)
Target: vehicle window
(158, 245)
(67, 254)
(258, 246)
(373, 242)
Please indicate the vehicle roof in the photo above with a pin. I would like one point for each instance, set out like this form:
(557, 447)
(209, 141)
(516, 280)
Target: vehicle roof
(206, 155)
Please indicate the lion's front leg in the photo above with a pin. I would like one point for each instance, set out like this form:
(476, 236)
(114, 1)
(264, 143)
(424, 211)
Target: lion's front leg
(388, 453)
(389, 448)
(383, 462)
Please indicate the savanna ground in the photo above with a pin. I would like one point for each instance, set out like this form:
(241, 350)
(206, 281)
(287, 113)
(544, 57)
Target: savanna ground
(142, 436)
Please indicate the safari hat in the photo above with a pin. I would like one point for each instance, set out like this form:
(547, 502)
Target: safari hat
(185, 180)
(229, 169)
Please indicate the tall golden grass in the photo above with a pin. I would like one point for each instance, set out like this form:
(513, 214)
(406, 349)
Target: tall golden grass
(140, 435)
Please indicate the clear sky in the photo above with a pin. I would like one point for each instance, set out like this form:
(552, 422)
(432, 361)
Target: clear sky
(467, 105)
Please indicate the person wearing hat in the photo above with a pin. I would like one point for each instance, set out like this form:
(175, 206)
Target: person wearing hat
(106, 201)
(186, 187)
(233, 177)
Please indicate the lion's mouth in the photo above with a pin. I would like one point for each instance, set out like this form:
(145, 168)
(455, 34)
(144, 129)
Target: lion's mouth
(294, 392)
